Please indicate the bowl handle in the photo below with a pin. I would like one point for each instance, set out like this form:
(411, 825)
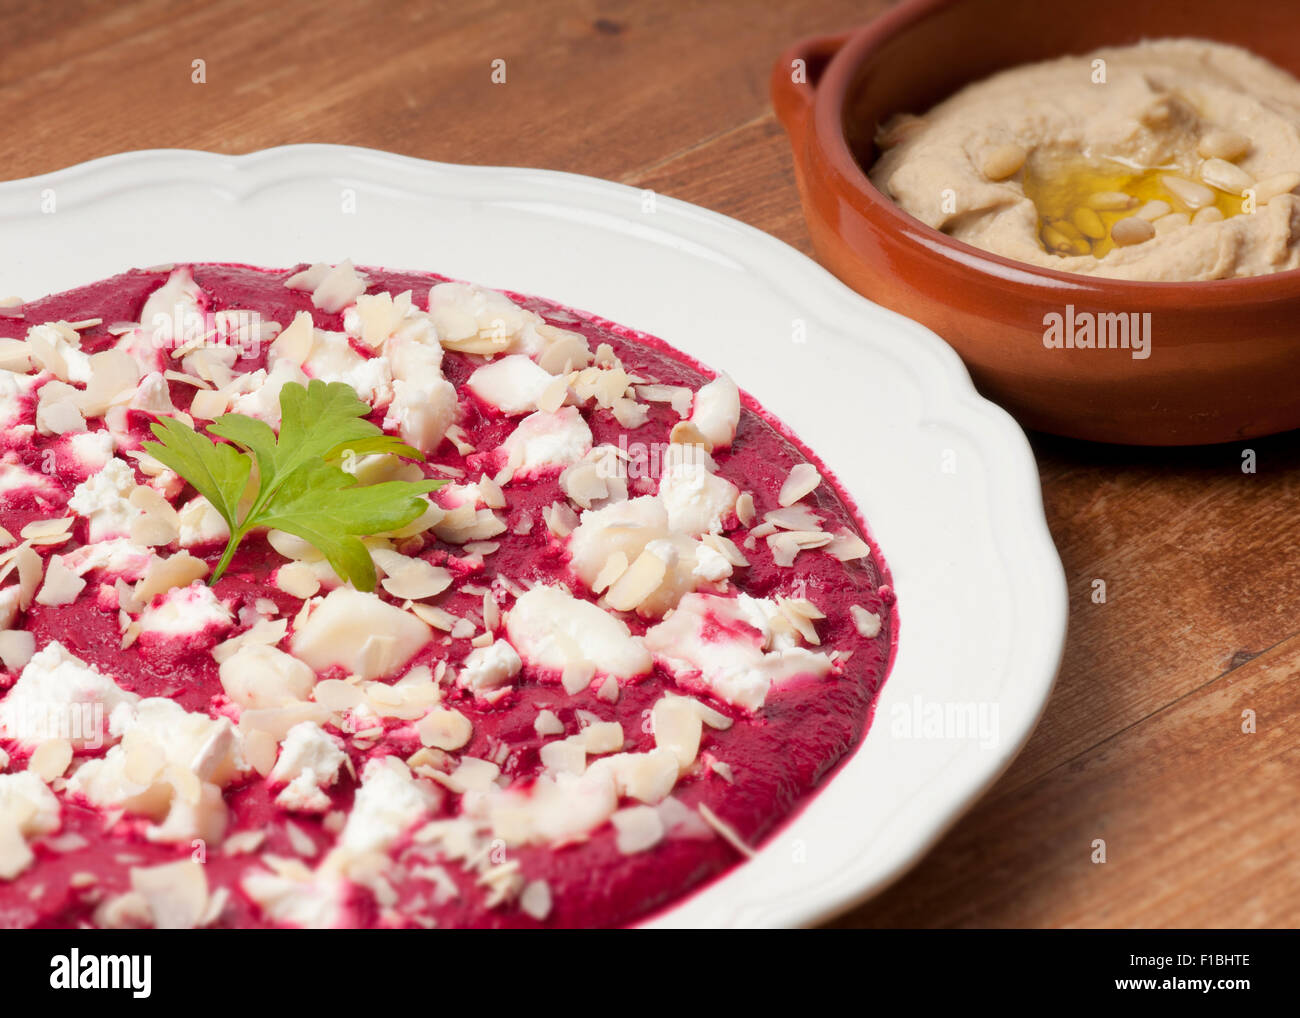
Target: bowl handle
(795, 77)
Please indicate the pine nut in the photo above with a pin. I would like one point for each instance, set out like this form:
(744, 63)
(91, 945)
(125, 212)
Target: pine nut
(1131, 230)
(1061, 244)
(1068, 228)
(1171, 222)
(1218, 143)
(1269, 188)
(1189, 192)
(1055, 240)
(1089, 223)
(1110, 201)
(1002, 161)
(1154, 209)
(1225, 176)
(1209, 214)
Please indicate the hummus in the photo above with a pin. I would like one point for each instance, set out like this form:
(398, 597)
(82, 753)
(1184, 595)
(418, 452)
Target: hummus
(1175, 159)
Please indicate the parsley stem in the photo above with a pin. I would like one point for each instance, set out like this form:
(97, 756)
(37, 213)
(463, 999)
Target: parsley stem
(235, 538)
(238, 534)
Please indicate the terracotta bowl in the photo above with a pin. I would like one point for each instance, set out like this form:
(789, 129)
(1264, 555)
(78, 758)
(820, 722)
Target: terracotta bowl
(1225, 355)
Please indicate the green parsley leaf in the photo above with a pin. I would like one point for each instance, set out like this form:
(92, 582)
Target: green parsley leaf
(317, 422)
(218, 472)
(300, 487)
(325, 506)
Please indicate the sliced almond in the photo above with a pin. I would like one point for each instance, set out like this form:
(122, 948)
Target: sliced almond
(725, 547)
(535, 900)
(268, 632)
(145, 759)
(601, 737)
(688, 433)
(847, 546)
(163, 574)
(177, 893)
(641, 579)
(800, 619)
(30, 566)
(725, 831)
(17, 647)
(444, 728)
(554, 395)
(209, 404)
(337, 695)
(159, 523)
(260, 750)
(678, 728)
(61, 585)
(276, 721)
(560, 519)
(112, 372)
(679, 397)
(436, 617)
(794, 517)
(630, 414)
(39, 529)
(577, 676)
(297, 579)
(50, 759)
(787, 544)
(745, 511)
(637, 829)
(564, 756)
(803, 480)
(609, 690)
(615, 566)
(417, 580)
(15, 356)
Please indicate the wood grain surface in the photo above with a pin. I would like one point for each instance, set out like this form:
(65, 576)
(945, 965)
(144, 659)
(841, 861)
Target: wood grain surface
(1142, 744)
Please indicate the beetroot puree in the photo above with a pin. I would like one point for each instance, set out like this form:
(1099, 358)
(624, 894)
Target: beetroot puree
(777, 757)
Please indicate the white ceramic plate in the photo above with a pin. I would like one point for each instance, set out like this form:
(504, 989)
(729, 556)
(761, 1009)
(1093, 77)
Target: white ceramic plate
(944, 479)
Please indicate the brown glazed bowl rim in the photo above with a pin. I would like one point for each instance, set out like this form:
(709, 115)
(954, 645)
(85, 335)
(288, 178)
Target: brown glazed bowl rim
(827, 114)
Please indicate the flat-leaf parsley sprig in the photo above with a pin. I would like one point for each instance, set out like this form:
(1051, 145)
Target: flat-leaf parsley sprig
(301, 489)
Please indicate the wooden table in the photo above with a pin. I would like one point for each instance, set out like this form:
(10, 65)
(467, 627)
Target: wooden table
(1142, 743)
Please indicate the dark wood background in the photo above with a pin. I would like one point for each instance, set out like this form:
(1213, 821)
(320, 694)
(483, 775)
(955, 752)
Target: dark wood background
(1142, 744)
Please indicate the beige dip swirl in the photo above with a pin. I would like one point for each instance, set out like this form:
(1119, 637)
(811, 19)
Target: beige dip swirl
(1176, 159)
